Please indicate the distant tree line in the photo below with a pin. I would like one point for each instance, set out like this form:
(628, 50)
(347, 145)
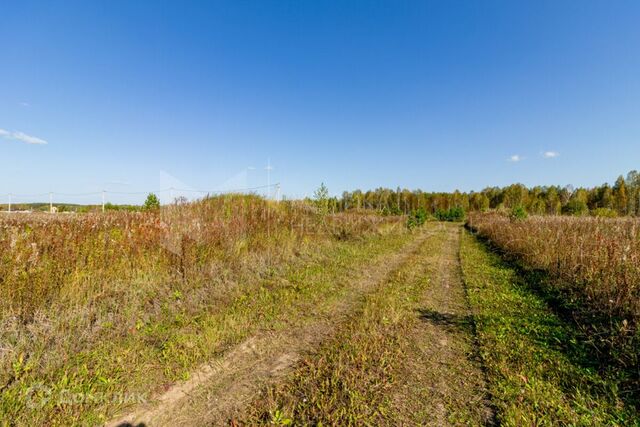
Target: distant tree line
(623, 198)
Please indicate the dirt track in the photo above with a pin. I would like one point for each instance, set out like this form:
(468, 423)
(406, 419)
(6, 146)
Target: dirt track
(442, 384)
(219, 389)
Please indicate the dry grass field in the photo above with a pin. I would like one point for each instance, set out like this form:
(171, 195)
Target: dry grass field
(237, 310)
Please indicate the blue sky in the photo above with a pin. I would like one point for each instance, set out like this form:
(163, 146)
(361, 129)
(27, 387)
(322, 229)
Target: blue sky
(362, 94)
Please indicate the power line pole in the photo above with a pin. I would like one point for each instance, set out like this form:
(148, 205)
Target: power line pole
(103, 199)
(9, 202)
(50, 202)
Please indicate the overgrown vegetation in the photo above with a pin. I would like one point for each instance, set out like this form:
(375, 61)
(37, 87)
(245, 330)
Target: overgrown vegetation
(593, 268)
(99, 305)
(541, 367)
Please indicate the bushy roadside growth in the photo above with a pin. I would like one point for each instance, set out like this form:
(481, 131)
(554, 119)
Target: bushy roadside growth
(128, 302)
(595, 267)
(540, 370)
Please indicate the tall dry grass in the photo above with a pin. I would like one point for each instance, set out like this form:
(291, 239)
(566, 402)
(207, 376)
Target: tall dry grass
(594, 263)
(45, 257)
(68, 283)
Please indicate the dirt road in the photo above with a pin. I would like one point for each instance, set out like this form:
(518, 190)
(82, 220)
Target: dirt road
(436, 382)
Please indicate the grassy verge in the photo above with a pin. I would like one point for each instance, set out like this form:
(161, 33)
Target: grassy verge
(590, 269)
(540, 371)
(350, 381)
(88, 387)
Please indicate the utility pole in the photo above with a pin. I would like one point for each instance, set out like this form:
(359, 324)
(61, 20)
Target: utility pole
(103, 199)
(278, 192)
(9, 202)
(50, 202)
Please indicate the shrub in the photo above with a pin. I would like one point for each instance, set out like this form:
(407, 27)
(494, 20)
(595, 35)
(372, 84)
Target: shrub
(604, 213)
(453, 214)
(518, 213)
(417, 218)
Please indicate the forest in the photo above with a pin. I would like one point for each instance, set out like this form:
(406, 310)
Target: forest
(620, 199)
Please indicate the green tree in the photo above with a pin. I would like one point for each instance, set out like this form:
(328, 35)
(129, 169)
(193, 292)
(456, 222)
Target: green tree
(553, 203)
(479, 202)
(606, 197)
(575, 206)
(515, 195)
(152, 203)
(321, 199)
(633, 179)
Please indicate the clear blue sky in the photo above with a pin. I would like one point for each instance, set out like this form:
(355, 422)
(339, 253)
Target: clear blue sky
(361, 94)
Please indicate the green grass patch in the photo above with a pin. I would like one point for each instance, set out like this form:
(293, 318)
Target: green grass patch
(540, 370)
